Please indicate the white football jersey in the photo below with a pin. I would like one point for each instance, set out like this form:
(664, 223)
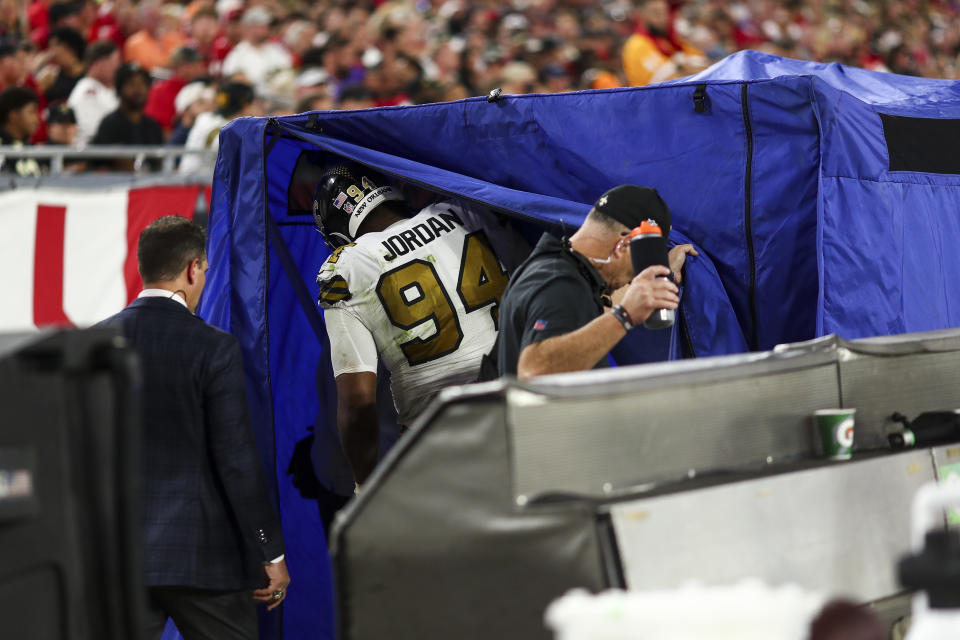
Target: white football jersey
(427, 291)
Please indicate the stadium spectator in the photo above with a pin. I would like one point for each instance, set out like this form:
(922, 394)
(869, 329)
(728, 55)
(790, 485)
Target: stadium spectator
(406, 52)
(298, 37)
(656, 53)
(320, 100)
(106, 24)
(61, 125)
(13, 71)
(19, 120)
(38, 15)
(59, 14)
(205, 36)
(188, 65)
(233, 100)
(193, 99)
(212, 547)
(378, 296)
(552, 318)
(128, 125)
(19, 117)
(310, 81)
(153, 44)
(94, 97)
(67, 47)
(256, 58)
(62, 130)
(518, 77)
(355, 97)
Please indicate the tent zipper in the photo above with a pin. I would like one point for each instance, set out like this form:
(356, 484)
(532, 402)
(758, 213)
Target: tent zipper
(747, 218)
(685, 331)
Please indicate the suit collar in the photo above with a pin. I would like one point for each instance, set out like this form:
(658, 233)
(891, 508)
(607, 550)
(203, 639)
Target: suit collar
(159, 303)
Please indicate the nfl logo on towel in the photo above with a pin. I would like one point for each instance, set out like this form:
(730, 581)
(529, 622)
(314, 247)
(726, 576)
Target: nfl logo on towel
(539, 325)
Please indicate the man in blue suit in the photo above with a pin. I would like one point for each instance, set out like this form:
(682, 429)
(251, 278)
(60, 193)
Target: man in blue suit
(212, 536)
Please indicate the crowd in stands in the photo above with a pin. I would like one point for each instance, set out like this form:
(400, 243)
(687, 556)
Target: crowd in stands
(174, 72)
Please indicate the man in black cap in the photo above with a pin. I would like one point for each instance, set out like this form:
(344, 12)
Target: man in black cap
(61, 125)
(553, 317)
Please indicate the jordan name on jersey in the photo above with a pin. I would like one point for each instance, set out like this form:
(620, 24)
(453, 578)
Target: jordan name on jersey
(402, 243)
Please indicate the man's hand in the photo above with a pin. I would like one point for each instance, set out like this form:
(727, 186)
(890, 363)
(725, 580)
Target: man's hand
(676, 258)
(277, 579)
(648, 291)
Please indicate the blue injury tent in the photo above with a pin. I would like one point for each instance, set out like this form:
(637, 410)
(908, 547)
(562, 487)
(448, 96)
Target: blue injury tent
(822, 200)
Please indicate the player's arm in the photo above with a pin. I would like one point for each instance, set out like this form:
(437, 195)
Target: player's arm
(357, 421)
(353, 354)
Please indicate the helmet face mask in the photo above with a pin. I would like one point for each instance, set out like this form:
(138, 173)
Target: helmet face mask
(343, 199)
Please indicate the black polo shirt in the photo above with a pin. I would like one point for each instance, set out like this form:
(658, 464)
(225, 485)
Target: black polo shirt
(555, 291)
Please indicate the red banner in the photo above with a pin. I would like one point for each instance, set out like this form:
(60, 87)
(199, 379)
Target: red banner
(73, 252)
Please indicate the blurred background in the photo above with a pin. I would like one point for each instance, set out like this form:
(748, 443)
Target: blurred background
(190, 67)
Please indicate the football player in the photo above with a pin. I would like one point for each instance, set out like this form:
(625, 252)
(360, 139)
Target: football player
(419, 292)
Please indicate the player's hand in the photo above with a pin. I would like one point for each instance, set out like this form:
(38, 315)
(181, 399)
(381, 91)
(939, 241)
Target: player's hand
(649, 291)
(677, 257)
(277, 580)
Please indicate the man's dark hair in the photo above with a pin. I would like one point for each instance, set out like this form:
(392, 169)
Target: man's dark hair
(312, 57)
(205, 12)
(355, 92)
(70, 38)
(127, 71)
(167, 246)
(14, 99)
(60, 10)
(99, 50)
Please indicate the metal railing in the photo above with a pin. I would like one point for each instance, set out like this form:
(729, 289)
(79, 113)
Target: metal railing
(57, 155)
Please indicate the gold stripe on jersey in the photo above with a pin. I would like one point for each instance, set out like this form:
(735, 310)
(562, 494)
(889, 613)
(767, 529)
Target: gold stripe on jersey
(334, 290)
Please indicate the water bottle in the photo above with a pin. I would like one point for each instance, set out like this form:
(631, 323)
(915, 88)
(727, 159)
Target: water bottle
(648, 247)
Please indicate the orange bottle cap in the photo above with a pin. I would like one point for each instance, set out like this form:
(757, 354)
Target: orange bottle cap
(647, 226)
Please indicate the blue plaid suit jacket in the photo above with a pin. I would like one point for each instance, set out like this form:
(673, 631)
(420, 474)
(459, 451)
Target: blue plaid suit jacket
(207, 519)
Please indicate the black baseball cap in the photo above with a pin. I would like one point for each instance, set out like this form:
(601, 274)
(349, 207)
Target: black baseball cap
(630, 205)
(61, 113)
(233, 97)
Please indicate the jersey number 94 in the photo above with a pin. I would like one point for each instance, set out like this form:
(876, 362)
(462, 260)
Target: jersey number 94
(413, 295)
